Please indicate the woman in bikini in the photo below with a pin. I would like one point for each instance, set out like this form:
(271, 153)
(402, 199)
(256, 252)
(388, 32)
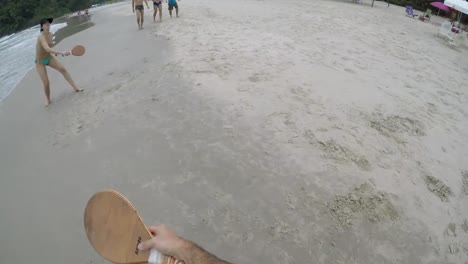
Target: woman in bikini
(44, 58)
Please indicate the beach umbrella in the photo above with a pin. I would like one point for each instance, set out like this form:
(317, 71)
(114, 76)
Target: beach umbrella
(440, 6)
(460, 5)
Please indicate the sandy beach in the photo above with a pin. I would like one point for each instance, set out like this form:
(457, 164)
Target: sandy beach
(266, 131)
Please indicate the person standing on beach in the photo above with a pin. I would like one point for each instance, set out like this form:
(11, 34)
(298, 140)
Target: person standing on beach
(44, 58)
(172, 4)
(138, 5)
(157, 6)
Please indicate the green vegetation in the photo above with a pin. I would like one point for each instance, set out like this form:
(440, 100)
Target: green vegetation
(417, 4)
(21, 14)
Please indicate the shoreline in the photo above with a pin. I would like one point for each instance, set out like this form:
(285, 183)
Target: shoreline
(264, 137)
(62, 16)
(62, 33)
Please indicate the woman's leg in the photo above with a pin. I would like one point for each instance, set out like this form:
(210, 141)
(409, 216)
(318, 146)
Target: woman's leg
(160, 11)
(54, 63)
(41, 69)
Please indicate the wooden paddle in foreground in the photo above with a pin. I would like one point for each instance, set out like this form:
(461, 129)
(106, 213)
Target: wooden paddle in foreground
(115, 229)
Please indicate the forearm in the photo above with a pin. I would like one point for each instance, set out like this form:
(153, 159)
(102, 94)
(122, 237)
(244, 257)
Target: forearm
(55, 52)
(194, 254)
(47, 48)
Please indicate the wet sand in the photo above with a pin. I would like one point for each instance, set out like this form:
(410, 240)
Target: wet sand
(16, 50)
(264, 136)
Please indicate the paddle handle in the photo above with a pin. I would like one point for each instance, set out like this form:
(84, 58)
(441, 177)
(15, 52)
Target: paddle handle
(171, 260)
(158, 258)
(63, 55)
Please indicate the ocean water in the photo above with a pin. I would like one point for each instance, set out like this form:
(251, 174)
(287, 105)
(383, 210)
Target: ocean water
(17, 51)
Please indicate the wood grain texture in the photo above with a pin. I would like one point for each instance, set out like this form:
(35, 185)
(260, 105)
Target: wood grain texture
(114, 228)
(78, 50)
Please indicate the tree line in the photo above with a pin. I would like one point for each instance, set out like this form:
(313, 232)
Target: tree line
(417, 4)
(423, 5)
(16, 15)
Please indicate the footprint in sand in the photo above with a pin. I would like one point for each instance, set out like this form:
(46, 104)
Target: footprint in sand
(282, 125)
(362, 202)
(432, 108)
(243, 88)
(79, 128)
(464, 175)
(254, 79)
(114, 88)
(438, 188)
(279, 121)
(456, 240)
(350, 70)
(337, 152)
(465, 226)
(184, 177)
(391, 126)
(451, 230)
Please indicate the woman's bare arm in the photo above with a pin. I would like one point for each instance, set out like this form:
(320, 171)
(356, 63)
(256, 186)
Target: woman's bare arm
(47, 48)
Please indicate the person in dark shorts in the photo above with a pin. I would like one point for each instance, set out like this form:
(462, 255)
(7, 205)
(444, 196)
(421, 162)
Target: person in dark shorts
(172, 4)
(138, 6)
(157, 6)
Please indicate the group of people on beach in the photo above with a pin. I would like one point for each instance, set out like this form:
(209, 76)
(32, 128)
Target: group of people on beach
(84, 13)
(157, 5)
(44, 43)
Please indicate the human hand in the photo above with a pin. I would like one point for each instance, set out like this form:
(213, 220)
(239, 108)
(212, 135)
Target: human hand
(166, 242)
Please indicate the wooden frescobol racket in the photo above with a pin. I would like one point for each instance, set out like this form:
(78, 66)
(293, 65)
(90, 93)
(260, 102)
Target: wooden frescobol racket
(78, 50)
(115, 229)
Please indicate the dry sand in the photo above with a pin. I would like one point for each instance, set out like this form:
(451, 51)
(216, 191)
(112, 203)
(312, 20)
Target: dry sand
(267, 131)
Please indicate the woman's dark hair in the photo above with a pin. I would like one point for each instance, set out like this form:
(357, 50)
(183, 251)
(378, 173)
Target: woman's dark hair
(45, 20)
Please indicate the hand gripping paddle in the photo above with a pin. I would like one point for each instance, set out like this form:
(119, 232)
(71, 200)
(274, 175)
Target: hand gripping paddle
(78, 50)
(115, 229)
